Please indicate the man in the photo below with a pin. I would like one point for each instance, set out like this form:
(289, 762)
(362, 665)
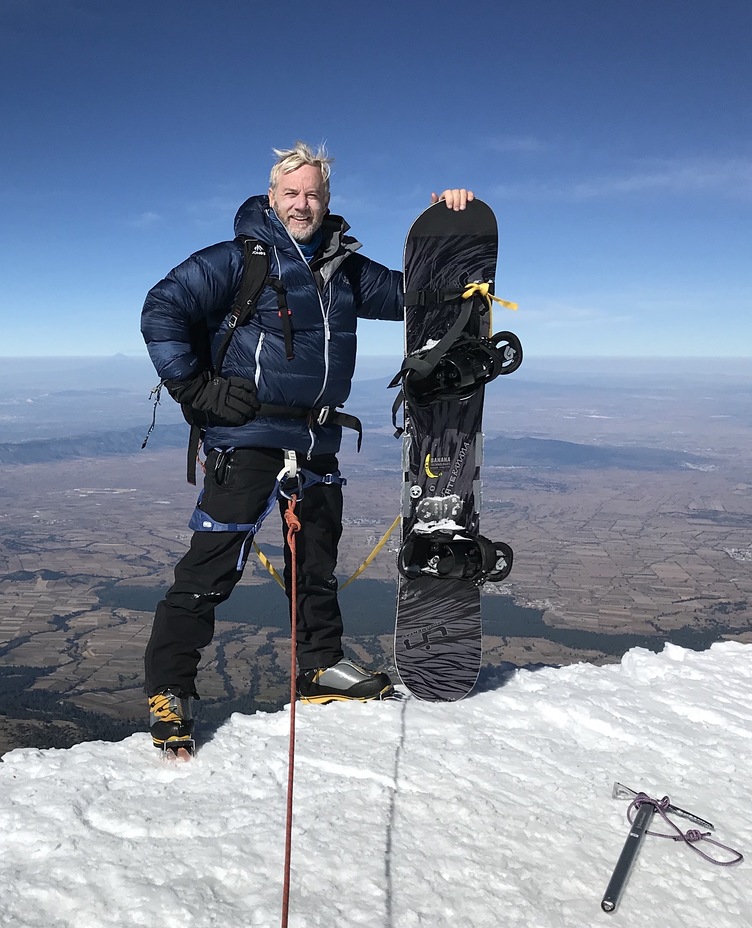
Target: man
(297, 354)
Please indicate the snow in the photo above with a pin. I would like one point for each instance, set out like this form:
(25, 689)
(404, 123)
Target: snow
(493, 811)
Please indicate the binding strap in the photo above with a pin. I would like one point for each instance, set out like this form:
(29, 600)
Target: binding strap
(426, 363)
(423, 363)
(452, 556)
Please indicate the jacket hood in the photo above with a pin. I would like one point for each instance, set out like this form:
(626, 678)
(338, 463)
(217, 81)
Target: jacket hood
(256, 214)
(251, 216)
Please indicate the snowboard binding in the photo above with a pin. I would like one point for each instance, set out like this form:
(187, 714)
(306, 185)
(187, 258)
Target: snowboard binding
(462, 361)
(450, 556)
(469, 364)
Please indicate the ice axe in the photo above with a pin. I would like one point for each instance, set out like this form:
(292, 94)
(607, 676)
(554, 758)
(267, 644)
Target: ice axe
(645, 810)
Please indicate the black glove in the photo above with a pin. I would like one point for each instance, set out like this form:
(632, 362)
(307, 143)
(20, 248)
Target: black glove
(223, 400)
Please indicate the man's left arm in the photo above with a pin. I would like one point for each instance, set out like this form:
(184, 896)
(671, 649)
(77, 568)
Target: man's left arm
(381, 294)
(377, 290)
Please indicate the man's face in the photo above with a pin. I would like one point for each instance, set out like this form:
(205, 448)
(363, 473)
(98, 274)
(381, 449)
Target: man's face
(300, 201)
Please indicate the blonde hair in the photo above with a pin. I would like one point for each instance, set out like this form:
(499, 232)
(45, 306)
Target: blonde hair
(290, 159)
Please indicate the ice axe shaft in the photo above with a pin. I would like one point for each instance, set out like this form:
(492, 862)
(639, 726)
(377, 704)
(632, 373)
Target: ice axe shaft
(645, 810)
(628, 856)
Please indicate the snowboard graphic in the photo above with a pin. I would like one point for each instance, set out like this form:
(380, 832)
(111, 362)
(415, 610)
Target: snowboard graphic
(450, 354)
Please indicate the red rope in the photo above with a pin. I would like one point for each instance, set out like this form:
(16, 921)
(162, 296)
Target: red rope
(293, 526)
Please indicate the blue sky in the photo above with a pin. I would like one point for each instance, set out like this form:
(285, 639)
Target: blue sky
(613, 139)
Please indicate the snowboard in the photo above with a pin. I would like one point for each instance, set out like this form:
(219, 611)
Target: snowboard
(450, 355)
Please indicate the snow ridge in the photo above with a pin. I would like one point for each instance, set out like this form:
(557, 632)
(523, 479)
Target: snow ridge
(492, 811)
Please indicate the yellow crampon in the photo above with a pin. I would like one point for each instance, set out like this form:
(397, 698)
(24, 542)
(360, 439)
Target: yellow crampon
(481, 289)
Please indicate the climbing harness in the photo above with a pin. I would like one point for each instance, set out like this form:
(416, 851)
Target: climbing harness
(291, 480)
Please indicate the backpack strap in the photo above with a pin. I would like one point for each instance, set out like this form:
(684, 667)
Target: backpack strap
(255, 278)
(255, 275)
(283, 311)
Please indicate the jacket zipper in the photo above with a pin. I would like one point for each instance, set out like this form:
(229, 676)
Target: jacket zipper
(327, 335)
(324, 318)
(257, 359)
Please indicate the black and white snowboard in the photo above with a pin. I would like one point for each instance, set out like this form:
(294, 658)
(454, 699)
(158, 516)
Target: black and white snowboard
(450, 354)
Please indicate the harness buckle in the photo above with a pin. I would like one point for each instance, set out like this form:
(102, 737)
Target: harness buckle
(290, 470)
(291, 477)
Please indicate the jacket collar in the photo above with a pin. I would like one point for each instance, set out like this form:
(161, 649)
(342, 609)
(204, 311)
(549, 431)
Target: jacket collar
(257, 219)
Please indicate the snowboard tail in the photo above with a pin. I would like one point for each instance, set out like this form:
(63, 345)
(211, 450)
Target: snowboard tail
(437, 641)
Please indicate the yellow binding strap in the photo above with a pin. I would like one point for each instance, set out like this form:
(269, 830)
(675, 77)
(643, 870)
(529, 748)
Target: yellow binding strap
(275, 573)
(481, 289)
(268, 564)
(373, 553)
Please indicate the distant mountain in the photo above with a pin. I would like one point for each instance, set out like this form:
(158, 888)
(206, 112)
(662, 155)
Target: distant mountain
(554, 454)
(377, 449)
(94, 445)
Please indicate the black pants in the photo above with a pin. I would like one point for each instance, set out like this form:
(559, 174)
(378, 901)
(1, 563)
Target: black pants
(236, 489)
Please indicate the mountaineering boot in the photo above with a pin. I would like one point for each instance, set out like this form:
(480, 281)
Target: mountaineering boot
(344, 680)
(171, 721)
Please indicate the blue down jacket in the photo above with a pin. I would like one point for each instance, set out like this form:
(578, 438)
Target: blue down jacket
(325, 301)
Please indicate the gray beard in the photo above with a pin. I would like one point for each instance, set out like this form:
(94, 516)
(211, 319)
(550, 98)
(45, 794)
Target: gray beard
(303, 236)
